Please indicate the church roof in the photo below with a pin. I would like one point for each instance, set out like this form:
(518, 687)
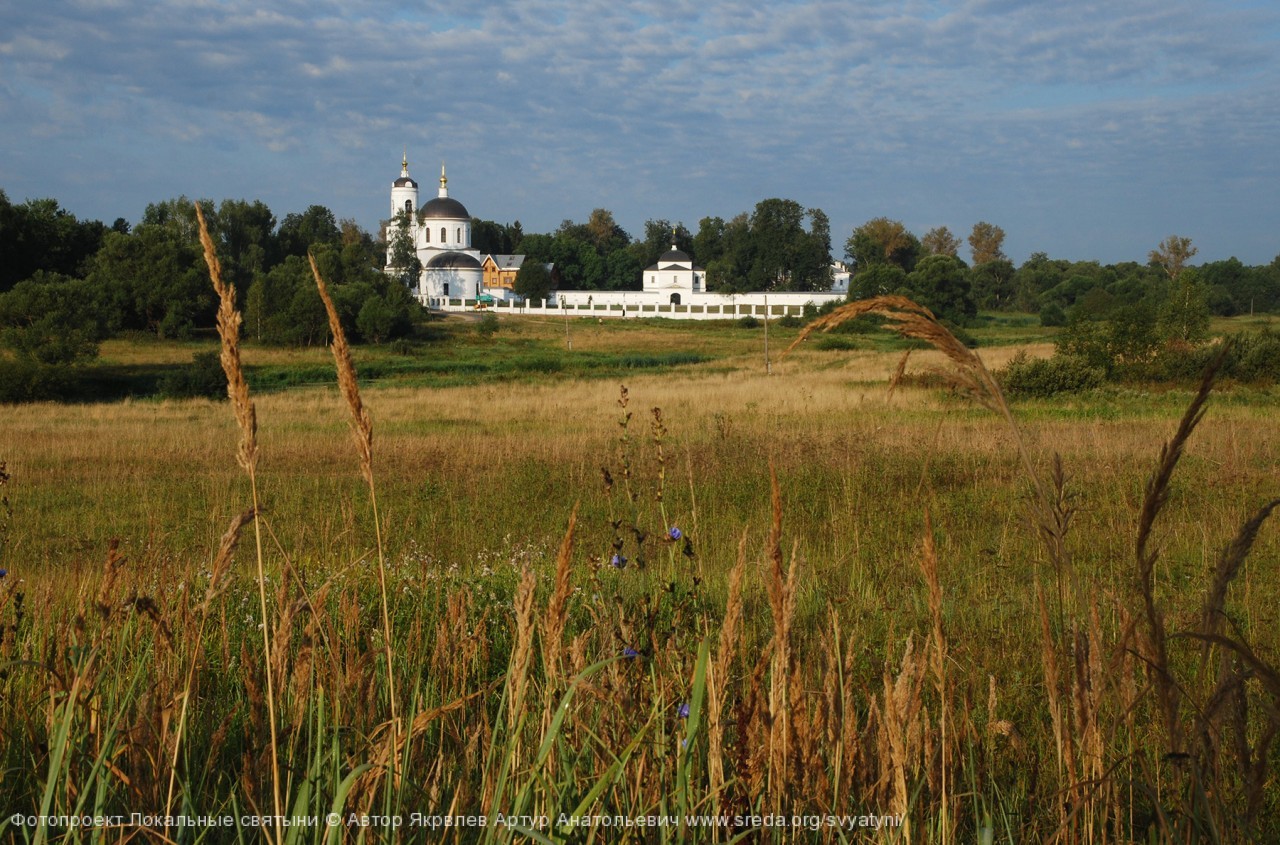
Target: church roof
(453, 261)
(674, 254)
(404, 182)
(444, 208)
(661, 267)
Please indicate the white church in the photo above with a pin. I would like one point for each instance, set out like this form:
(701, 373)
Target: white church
(456, 277)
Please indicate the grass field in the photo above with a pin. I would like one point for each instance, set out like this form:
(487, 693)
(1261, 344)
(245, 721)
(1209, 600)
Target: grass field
(902, 627)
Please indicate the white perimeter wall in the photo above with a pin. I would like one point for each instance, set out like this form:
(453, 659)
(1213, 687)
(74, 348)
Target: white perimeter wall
(693, 306)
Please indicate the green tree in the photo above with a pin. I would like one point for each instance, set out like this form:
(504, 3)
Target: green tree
(533, 282)
(658, 238)
(403, 260)
(153, 280)
(299, 232)
(244, 232)
(878, 280)
(51, 319)
(882, 241)
(941, 283)
(726, 250)
(41, 235)
(1184, 317)
(785, 255)
(993, 285)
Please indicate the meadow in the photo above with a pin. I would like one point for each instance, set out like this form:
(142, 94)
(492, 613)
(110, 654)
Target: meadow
(707, 600)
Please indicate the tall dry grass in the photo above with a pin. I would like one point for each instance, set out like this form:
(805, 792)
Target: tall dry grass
(803, 653)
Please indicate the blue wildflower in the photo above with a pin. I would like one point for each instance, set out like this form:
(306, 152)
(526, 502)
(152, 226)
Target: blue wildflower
(675, 533)
(618, 561)
(3, 572)
(630, 652)
(683, 710)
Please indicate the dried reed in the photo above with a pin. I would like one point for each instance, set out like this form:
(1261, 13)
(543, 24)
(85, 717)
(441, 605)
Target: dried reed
(247, 455)
(362, 433)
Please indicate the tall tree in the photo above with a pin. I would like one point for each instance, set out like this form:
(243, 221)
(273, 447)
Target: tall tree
(986, 241)
(785, 255)
(604, 232)
(940, 241)
(658, 236)
(41, 235)
(299, 232)
(1172, 255)
(403, 259)
(51, 318)
(1184, 317)
(533, 282)
(882, 241)
(941, 283)
(153, 280)
(726, 251)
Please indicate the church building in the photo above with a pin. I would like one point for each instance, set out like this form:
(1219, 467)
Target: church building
(440, 231)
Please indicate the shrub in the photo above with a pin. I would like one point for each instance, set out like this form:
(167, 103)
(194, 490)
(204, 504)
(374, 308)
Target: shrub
(1043, 377)
(1053, 315)
(835, 342)
(790, 321)
(202, 377)
(1256, 357)
(748, 322)
(25, 380)
(487, 326)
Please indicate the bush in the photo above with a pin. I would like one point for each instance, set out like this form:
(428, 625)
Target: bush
(748, 322)
(790, 321)
(834, 342)
(863, 324)
(487, 326)
(1044, 377)
(1053, 315)
(202, 377)
(25, 380)
(1256, 357)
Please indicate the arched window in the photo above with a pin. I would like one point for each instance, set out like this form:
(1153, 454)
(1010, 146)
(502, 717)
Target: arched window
(459, 235)
(426, 235)
(408, 206)
(443, 237)
(675, 299)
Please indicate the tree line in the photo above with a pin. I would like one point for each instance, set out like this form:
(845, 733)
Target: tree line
(65, 284)
(885, 257)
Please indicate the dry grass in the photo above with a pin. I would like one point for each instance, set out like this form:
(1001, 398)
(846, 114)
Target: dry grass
(827, 677)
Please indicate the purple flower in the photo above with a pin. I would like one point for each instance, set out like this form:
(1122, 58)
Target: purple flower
(618, 561)
(3, 572)
(675, 533)
(630, 652)
(683, 710)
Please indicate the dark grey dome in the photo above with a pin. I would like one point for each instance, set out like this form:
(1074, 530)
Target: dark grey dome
(446, 208)
(404, 182)
(453, 261)
(674, 255)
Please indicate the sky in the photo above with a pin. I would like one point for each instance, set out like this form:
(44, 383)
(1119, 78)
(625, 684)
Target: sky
(1086, 130)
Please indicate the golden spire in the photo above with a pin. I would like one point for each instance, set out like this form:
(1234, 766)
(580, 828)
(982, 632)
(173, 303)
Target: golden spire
(404, 162)
(444, 180)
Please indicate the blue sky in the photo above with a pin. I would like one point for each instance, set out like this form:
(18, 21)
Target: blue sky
(1087, 130)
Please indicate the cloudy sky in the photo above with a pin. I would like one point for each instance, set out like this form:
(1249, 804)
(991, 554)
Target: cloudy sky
(1087, 130)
